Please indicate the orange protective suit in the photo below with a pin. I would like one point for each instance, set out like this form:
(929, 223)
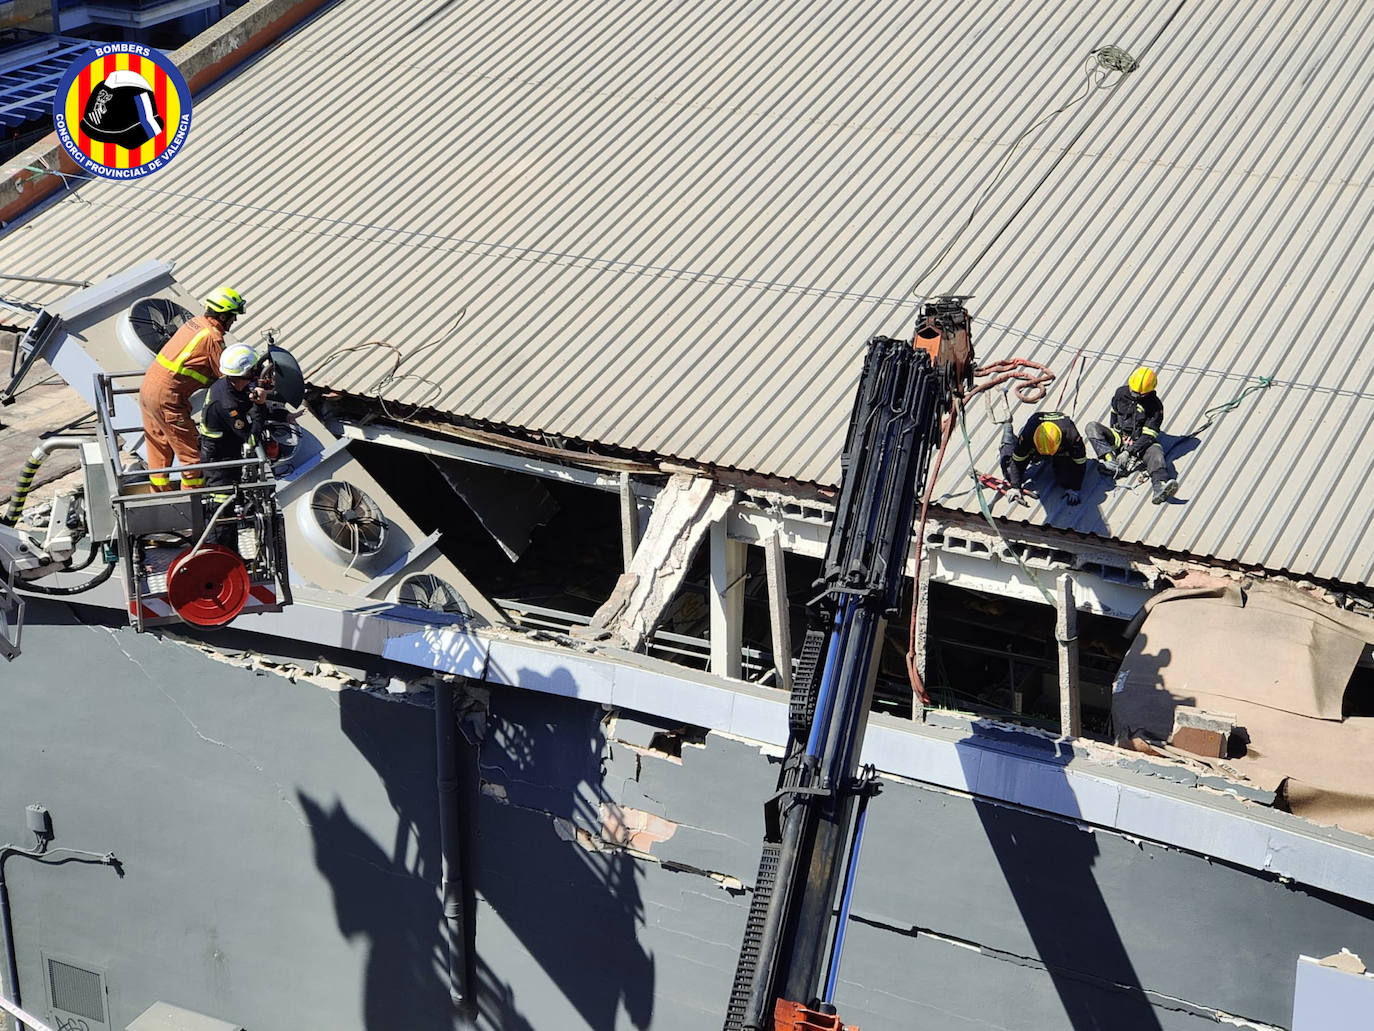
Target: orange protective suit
(186, 363)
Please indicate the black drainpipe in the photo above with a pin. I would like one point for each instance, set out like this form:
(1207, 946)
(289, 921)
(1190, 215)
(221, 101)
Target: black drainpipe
(7, 930)
(446, 754)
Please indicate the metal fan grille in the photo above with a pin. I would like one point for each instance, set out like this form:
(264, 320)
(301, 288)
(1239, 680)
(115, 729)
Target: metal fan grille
(427, 591)
(156, 319)
(349, 517)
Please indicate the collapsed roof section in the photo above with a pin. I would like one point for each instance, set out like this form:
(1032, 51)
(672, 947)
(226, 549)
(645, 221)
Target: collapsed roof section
(1266, 673)
(359, 542)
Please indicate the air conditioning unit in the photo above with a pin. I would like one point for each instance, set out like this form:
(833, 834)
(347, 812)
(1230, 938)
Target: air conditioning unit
(344, 523)
(148, 324)
(427, 591)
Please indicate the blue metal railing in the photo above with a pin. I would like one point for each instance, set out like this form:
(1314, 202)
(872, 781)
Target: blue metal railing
(31, 66)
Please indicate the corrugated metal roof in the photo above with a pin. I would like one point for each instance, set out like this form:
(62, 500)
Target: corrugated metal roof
(670, 227)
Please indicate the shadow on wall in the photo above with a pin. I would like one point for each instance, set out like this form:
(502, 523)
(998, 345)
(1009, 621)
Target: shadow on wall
(576, 912)
(391, 904)
(1050, 874)
(575, 908)
(388, 896)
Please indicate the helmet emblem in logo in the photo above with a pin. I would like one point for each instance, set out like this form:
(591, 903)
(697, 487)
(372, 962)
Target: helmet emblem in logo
(122, 111)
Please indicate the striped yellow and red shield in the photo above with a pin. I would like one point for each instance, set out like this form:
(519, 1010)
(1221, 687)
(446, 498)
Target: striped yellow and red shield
(168, 102)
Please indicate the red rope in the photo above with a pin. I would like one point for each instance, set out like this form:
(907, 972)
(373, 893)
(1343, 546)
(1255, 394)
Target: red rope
(1032, 378)
(918, 686)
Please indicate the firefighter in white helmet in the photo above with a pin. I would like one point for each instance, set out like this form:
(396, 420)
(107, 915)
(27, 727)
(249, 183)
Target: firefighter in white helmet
(231, 418)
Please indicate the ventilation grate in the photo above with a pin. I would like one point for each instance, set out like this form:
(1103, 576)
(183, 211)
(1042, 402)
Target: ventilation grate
(427, 591)
(76, 990)
(350, 518)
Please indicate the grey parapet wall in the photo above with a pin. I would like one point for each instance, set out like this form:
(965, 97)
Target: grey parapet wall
(278, 841)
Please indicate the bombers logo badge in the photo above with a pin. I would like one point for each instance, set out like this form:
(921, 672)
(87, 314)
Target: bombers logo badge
(122, 111)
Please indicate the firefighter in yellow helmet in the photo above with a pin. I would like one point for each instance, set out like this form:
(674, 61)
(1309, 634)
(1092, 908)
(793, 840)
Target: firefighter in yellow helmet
(1047, 436)
(186, 363)
(1132, 434)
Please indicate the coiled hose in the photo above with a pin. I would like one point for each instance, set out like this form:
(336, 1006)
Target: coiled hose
(25, 485)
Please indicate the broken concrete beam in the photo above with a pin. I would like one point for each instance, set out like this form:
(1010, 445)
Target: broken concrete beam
(1201, 719)
(608, 615)
(685, 511)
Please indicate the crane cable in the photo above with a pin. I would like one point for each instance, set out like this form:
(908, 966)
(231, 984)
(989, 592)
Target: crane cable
(1032, 380)
(1101, 62)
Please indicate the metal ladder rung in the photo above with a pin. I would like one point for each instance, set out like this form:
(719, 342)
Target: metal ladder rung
(753, 936)
(801, 708)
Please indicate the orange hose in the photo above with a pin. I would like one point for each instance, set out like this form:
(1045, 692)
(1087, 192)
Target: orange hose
(1033, 377)
(918, 686)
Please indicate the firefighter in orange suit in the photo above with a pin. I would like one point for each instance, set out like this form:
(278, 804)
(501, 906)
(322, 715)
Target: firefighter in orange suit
(187, 363)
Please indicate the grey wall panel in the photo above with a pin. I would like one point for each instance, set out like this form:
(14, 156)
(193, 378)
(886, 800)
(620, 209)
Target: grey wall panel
(923, 982)
(242, 808)
(279, 844)
(1094, 905)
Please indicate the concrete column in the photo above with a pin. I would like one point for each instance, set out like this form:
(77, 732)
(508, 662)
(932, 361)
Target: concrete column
(777, 609)
(1066, 634)
(629, 520)
(920, 600)
(727, 601)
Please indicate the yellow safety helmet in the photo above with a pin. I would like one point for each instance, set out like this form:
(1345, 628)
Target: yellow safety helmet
(1048, 437)
(1143, 380)
(226, 300)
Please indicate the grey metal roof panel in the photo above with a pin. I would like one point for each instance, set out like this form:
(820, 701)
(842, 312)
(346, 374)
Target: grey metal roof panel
(671, 227)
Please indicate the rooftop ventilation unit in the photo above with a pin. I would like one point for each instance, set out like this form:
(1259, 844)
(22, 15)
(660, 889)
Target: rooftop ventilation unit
(427, 591)
(147, 325)
(344, 523)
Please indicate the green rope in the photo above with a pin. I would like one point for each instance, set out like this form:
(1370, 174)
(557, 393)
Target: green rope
(1216, 410)
(987, 513)
(1212, 414)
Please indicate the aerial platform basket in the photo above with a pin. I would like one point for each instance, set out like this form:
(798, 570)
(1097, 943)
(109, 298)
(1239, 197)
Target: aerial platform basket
(202, 556)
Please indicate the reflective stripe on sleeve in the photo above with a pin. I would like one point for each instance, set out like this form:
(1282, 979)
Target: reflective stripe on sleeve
(177, 365)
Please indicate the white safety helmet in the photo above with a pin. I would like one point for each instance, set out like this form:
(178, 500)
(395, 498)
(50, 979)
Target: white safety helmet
(238, 360)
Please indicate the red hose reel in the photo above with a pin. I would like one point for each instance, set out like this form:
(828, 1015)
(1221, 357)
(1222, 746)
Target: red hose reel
(208, 586)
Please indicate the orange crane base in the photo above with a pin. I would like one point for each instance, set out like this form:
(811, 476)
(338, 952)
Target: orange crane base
(793, 1016)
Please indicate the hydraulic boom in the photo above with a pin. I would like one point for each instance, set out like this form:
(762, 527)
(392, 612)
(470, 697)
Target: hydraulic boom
(789, 961)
